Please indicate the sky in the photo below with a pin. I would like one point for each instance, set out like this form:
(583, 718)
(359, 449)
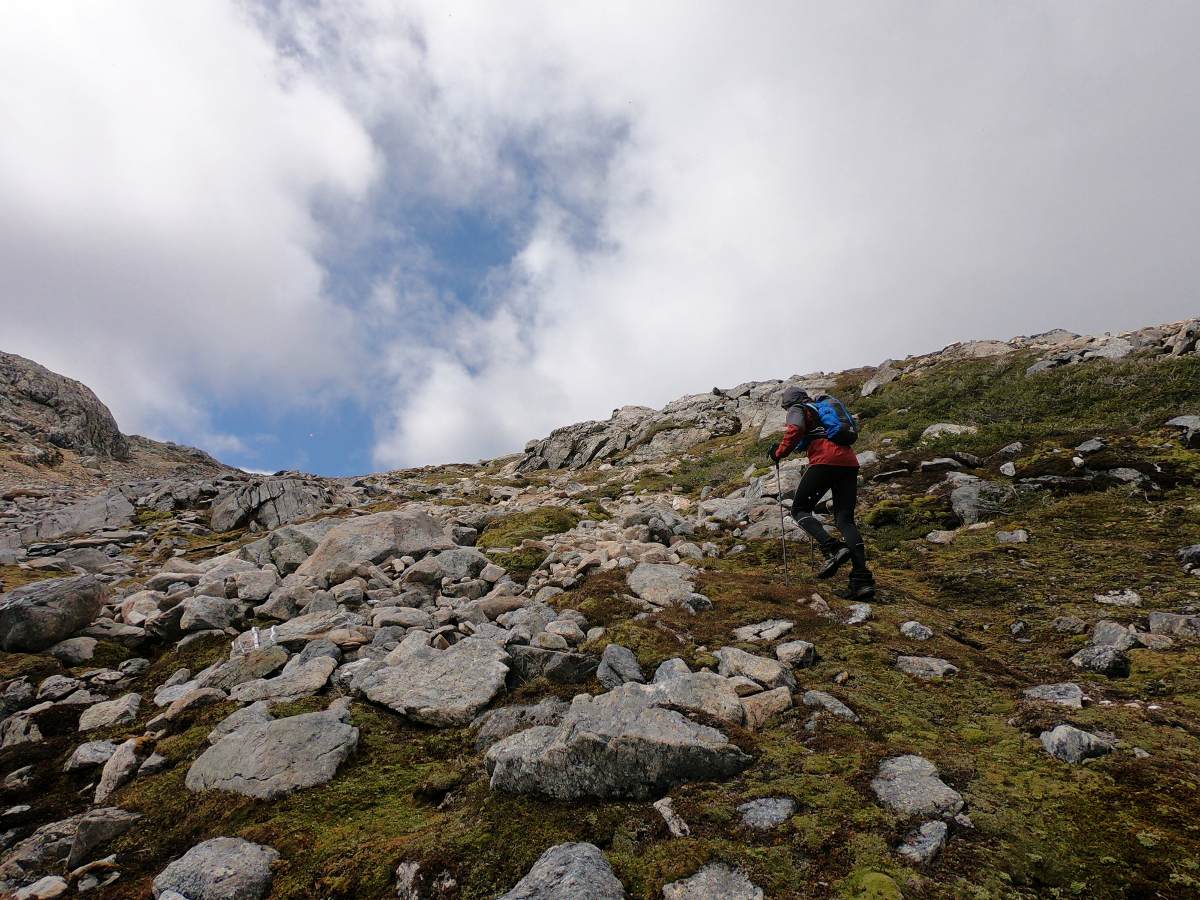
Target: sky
(345, 236)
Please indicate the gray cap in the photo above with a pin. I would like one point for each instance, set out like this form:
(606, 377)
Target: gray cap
(793, 395)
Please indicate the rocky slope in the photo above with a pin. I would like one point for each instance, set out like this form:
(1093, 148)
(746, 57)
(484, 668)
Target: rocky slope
(580, 671)
(55, 432)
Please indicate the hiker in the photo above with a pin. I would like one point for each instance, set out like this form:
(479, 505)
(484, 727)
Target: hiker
(832, 467)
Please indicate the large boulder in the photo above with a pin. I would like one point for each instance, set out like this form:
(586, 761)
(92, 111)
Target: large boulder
(41, 614)
(377, 538)
(275, 758)
(617, 745)
(460, 562)
(268, 503)
(288, 547)
(441, 687)
(569, 872)
(221, 868)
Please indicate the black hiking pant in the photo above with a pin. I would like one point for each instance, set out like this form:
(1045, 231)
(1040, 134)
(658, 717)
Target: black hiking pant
(843, 482)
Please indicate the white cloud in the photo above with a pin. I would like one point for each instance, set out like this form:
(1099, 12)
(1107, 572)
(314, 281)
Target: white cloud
(157, 171)
(803, 186)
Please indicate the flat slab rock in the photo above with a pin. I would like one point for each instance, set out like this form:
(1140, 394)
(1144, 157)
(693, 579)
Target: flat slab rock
(222, 868)
(662, 584)
(768, 812)
(275, 758)
(1068, 693)
(569, 872)
(441, 687)
(612, 746)
(910, 785)
(713, 881)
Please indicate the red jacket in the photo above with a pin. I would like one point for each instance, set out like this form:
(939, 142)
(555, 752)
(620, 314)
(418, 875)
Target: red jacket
(821, 452)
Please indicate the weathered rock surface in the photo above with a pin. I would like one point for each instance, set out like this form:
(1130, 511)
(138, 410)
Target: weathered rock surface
(767, 813)
(910, 785)
(617, 666)
(278, 757)
(713, 881)
(612, 746)
(662, 584)
(67, 843)
(1065, 694)
(569, 872)
(221, 868)
(377, 538)
(1073, 745)
(41, 614)
(267, 503)
(927, 668)
(441, 687)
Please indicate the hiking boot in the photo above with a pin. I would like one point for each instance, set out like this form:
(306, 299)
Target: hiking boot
(836, 556)
(862, 582)
(862, 587)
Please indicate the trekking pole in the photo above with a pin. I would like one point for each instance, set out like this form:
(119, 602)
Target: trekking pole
(782, 524)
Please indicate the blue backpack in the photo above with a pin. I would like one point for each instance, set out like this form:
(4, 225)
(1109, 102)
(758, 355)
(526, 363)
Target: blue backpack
(837, 422)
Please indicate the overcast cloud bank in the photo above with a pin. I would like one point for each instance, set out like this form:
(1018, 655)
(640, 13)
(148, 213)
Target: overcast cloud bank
(211, 203)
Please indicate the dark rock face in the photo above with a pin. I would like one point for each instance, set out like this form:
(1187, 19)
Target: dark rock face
(63, 411)
(41, 614)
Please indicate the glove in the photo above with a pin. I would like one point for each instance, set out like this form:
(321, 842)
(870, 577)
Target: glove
(772, 454)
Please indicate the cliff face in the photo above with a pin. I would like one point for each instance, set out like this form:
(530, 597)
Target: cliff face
(56, 410)
(55, 429)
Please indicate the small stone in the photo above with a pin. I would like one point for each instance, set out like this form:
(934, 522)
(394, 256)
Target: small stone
(927, 668)
(910, 785)
(941, 537)
(1069, 625)
(121, 711)
(1074, 745)
(759, 708)
(1009, 469)
(1065, 694)
(830, 704)
(1019, 536)
(1107, 661)
(675, 823)
(1119, 598)
(618, 665)
(923, 843)
(916, 631)
(859, 613)
(90, 754)
(797, 654)
(43, 889)
(767, 813)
